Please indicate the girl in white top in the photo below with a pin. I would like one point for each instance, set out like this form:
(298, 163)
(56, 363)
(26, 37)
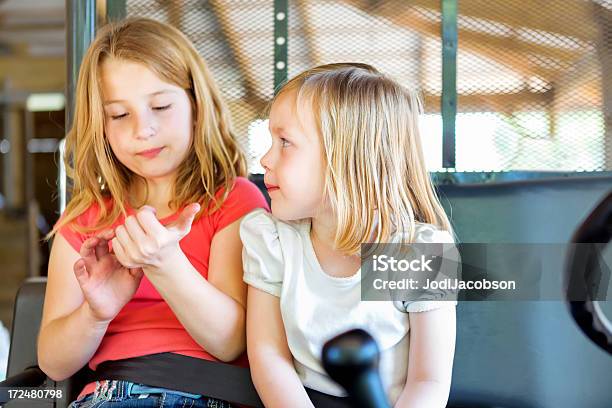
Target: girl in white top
(345, 167)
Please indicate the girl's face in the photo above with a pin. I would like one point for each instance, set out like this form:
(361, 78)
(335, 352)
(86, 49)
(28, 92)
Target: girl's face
(147, 121)
(295, 163)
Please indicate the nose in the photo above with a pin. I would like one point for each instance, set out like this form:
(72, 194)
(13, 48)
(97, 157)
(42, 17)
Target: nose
(146, 125)
(267, 160)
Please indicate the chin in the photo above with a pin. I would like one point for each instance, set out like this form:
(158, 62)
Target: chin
(287, 213)
(156, 173)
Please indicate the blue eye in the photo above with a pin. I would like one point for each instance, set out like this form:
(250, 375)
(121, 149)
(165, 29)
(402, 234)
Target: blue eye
(162, 108)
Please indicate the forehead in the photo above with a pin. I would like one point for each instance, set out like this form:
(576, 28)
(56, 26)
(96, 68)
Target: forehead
(122, 79)
(287, 112)
(284, 106)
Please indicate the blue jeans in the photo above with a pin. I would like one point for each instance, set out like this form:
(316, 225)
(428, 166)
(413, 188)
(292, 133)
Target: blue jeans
(125, 394)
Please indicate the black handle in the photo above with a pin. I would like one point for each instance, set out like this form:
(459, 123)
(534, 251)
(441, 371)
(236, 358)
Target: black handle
(583, 272)
(351, 359)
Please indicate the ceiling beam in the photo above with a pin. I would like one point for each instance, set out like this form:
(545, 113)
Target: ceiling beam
(175, 13)
(234, 41)
(506, 102)
(572, 18)
(312, 51)
(492, 47)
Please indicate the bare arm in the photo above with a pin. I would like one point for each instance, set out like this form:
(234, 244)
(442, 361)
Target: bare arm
(274, 376)
(430, 367)
(70, 333)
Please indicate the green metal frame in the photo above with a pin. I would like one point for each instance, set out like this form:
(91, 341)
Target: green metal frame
(116, 10)
(449, 81)
(281, 34)
(463, 178)
(80, 32)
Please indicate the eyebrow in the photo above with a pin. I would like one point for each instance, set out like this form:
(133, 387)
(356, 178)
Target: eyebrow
(163, 91)
(277, 129)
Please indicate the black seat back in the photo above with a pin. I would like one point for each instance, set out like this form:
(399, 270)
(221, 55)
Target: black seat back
(27, 314)
(525, 353)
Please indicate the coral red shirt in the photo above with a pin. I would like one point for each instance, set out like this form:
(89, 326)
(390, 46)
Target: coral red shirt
(146, 324)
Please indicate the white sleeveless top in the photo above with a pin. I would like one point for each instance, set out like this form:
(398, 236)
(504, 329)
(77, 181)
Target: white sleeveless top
(278, 258)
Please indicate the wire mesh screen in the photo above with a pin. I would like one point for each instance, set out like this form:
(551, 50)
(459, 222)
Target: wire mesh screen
(529, 81)
(529, 78)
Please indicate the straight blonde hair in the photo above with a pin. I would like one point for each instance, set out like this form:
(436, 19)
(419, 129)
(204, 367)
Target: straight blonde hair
(214, 160)
(376, 179)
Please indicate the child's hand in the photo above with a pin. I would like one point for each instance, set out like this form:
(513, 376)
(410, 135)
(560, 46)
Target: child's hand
(106, 284)
(143, 242)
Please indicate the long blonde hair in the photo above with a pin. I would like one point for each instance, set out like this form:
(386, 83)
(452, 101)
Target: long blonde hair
(215, 159)
(376, 179)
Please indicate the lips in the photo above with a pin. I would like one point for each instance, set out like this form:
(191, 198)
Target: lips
(151, 153)
(271, 187)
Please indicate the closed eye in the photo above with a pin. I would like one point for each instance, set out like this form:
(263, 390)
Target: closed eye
(117, 117)
(162, 108)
